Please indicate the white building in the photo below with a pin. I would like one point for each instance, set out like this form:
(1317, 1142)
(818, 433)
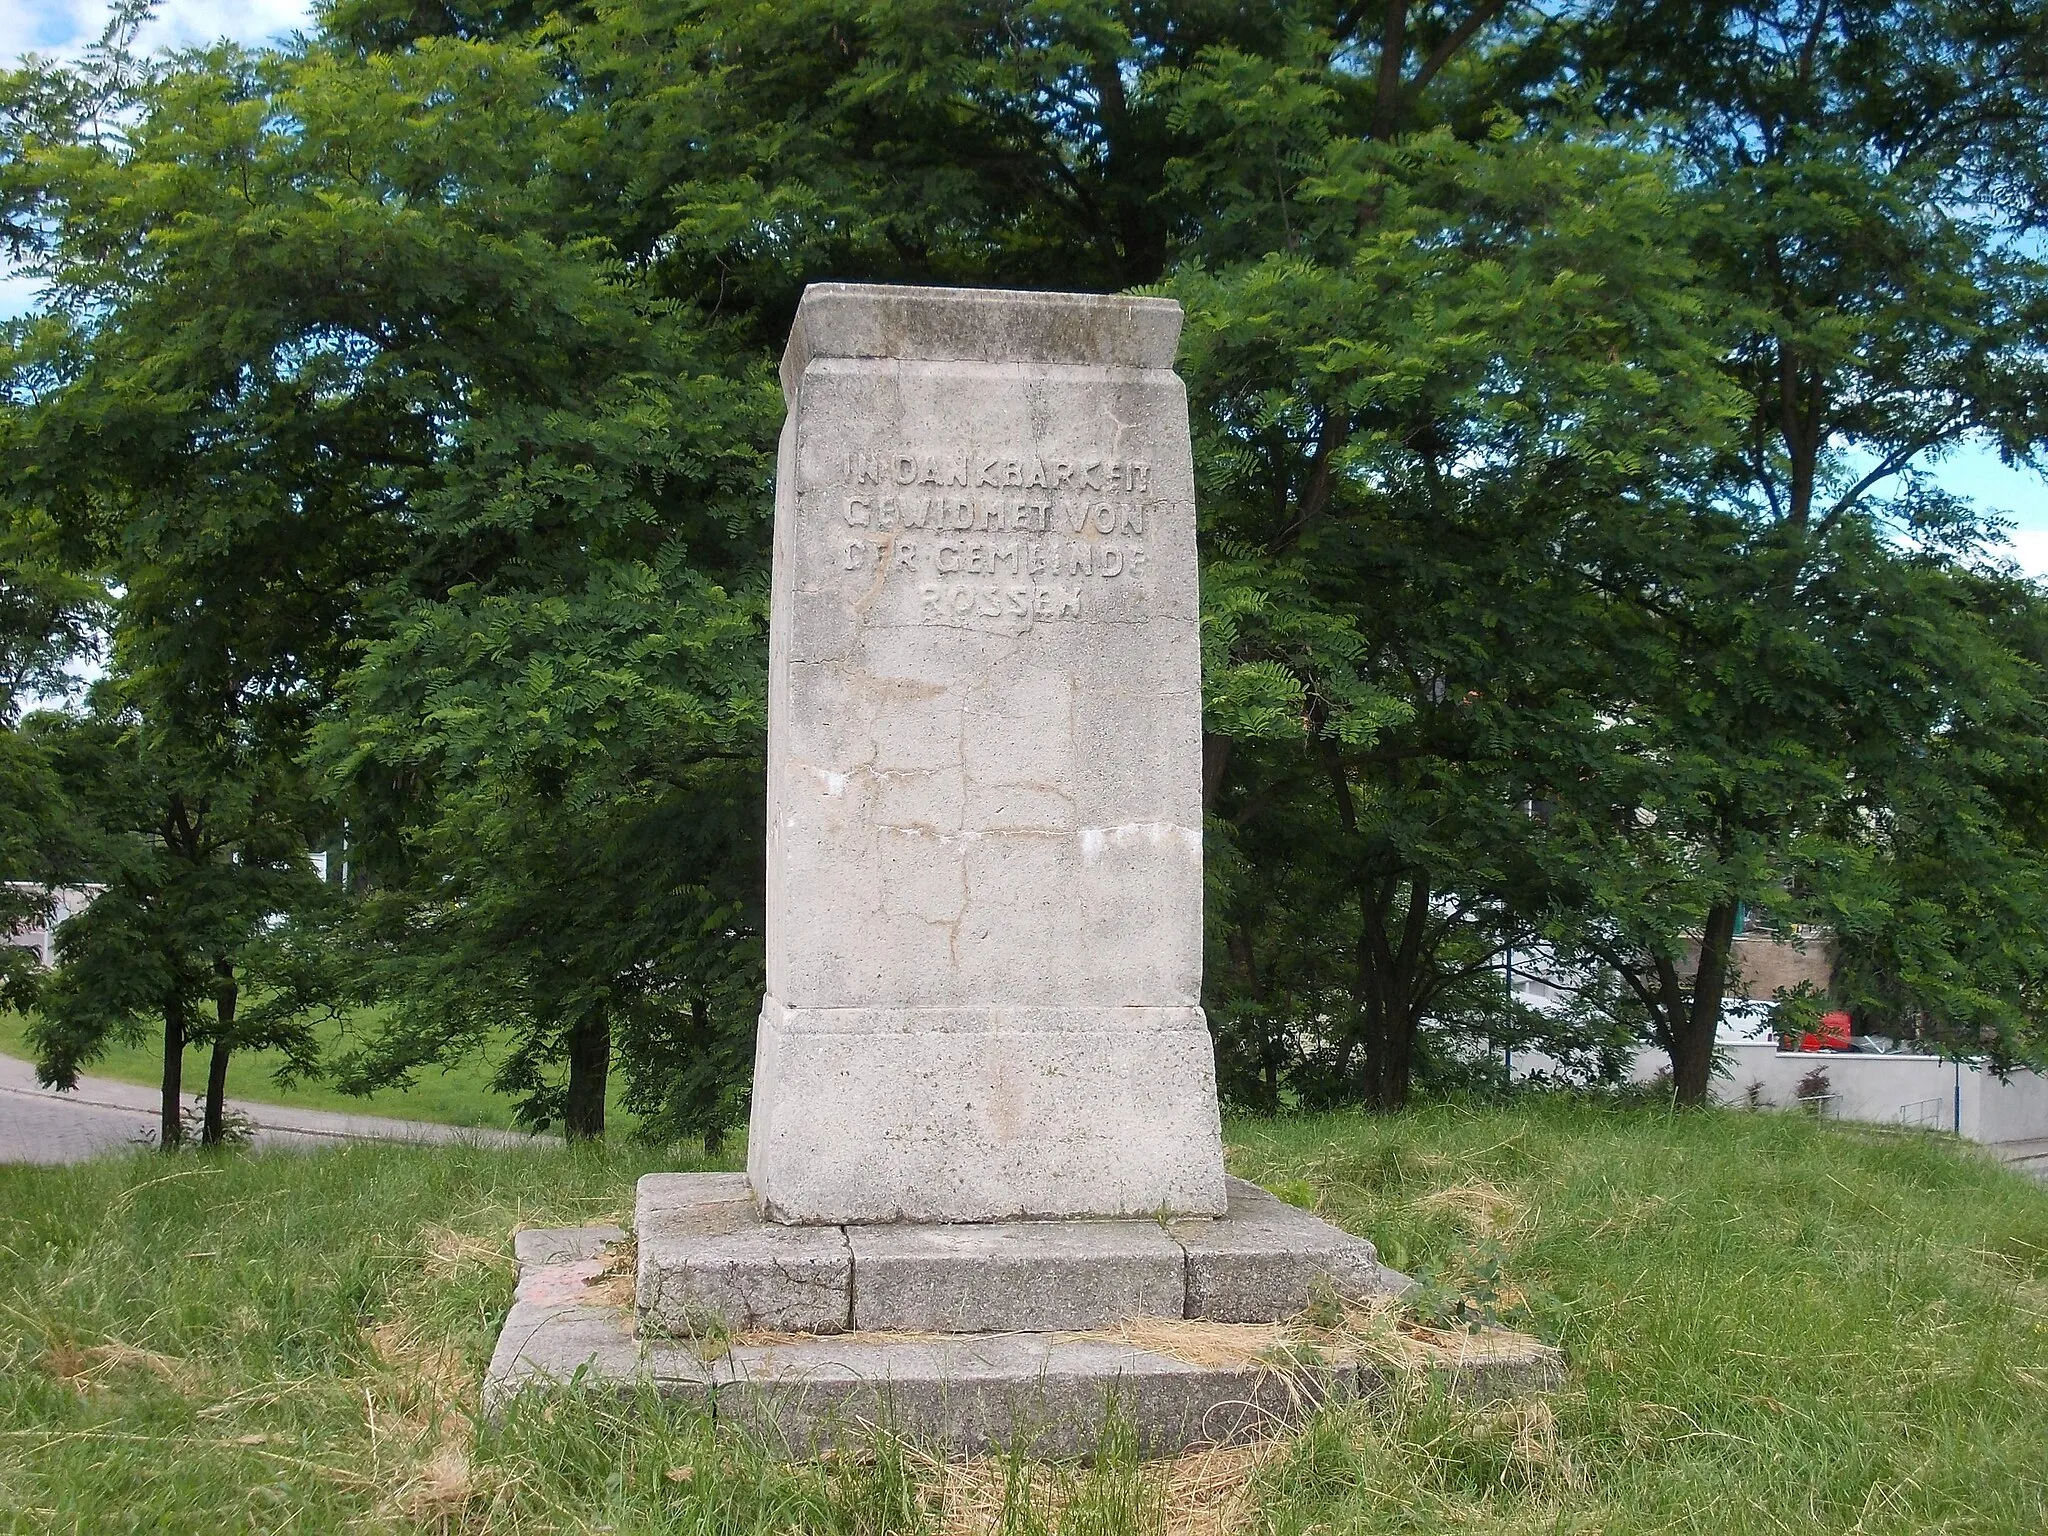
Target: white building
(65, 902)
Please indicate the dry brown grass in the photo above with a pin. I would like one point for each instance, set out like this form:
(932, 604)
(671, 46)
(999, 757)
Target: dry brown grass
(1483, 1208)
(416, 1417)
(448, 1252)
(1216, 1345)
(101, 1366)
(1376, 1330)
(616, 1284)
(1208, 1492)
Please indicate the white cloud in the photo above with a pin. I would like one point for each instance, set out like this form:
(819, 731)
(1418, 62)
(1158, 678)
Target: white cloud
(17, 294)
(64, 26)
(2028, 549)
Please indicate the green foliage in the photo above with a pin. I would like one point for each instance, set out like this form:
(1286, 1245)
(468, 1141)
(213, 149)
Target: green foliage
(194, 851)
(1440, 503)
(1562, 388)
(1831, 652)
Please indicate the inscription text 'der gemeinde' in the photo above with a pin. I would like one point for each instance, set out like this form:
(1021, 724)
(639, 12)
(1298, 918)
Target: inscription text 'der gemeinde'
(1016, 536)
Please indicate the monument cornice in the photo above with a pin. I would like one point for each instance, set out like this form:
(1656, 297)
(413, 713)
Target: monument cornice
(978, 325)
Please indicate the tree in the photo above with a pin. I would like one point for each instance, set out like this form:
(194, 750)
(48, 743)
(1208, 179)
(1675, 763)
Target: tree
(1873, 170)
(196, 849)
(49, 619)
(1429, 508)
(1951, 957)
(1559, 383)
(406, 414)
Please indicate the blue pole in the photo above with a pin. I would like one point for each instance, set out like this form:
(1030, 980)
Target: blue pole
(1959, 1095)
(1509, 1053)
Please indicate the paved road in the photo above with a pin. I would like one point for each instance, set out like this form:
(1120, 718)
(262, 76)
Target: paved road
(39, 1125)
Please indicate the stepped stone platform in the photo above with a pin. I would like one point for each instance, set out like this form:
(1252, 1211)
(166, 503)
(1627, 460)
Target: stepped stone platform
(708, 1259)
(976, 1337)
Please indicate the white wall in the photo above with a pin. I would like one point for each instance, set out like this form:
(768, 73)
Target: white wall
(2015, 1110)
(1886, 1090)
(1893, 1090)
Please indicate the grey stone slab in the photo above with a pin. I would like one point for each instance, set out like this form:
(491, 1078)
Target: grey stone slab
(1031, 1276)
(863, 320)
(562, 1245)
(984, 768)
(1265, 1259)
(548, 1346)
(1488, 1376)
(1055, 1395)
(708, 1260)
(556, 1333)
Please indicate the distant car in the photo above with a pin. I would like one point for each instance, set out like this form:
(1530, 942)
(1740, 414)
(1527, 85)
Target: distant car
(1831, 1035)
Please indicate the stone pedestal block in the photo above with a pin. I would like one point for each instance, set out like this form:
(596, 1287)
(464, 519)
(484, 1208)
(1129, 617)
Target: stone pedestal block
(708, 1262)
(1036, 1275)
(984, 919)
(1266, 1260)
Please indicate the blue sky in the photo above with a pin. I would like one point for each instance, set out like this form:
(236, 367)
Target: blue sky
(60, 26)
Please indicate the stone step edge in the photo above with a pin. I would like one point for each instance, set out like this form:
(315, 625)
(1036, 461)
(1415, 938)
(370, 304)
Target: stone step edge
(707, 1261)
(968, 1393)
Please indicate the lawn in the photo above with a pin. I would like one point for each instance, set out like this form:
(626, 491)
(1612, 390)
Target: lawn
(459, 1094)
(1772, 1325)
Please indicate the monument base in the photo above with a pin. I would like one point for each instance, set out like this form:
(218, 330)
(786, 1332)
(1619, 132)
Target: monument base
(983, 1114)
(1176, 1383)
(708, 1262)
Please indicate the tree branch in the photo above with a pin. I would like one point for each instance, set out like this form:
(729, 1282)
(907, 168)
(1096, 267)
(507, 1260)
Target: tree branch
(1446, 50)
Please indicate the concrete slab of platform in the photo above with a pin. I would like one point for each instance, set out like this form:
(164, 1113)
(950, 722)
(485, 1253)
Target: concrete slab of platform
(1176, 1384)
(1014, 1275)
(709, 1260)
(973, 1393)
(557, 1326)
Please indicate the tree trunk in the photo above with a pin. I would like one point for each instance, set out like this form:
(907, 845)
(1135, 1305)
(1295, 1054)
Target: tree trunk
(171, 1127)
(1389, 1058)
(216, 1095)
(1390, 975)
(590, 1060)
(1692, 1056)
(700, 1025)
(224, 997)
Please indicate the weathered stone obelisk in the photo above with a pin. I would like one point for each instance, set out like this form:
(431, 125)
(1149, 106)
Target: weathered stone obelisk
(984, 940)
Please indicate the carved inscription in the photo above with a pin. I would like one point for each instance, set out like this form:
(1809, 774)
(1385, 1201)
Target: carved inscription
(1011, 535)
(1032, 471)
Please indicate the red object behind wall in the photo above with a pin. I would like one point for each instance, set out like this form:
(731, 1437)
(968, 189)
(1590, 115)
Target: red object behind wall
(1833, 1034)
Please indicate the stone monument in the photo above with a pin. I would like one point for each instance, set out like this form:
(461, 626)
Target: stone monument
(984, 934)
(985, 1142)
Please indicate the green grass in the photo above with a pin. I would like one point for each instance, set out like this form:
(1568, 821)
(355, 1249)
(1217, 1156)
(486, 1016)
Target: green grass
(458, 1094)
(1771, 1324)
